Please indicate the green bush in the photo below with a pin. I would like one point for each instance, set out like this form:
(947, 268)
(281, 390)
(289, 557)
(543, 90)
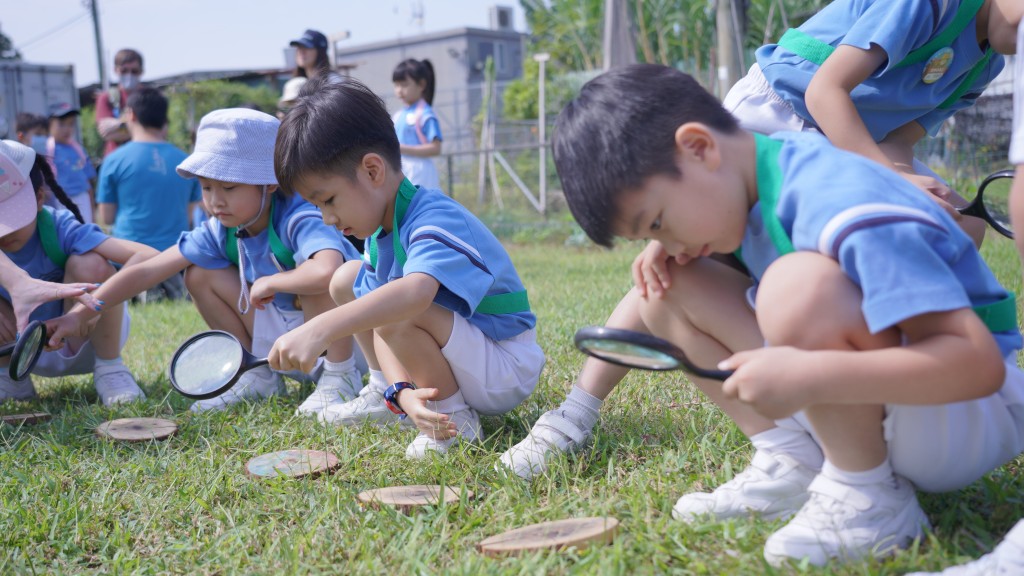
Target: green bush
(189, 102)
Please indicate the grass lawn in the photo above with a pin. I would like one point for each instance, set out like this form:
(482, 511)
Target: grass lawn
(71, 502)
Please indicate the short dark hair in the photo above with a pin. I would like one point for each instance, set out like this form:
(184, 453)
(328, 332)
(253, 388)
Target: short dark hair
(26, 121)
(126, 55)
(620, 131)
(330, 129)
(149, 106)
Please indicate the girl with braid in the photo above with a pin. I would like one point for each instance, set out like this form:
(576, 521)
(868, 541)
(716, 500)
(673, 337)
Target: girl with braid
(57, 246)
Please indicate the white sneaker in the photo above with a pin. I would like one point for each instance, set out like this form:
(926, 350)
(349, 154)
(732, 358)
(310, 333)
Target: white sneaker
(261, 382)
(11, 389)
(367, 408)
(553, 434)
(773, 486)
(115, 385)
(332, 388)
(849, 522)
(467, 422)
(1005, 560)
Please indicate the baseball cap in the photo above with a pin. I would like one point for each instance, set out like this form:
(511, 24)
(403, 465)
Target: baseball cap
(311, 39)
(17, 197)
(62, 109)
(292, 88)
(234, 145)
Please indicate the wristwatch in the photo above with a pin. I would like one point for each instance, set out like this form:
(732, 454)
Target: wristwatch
(390, 394)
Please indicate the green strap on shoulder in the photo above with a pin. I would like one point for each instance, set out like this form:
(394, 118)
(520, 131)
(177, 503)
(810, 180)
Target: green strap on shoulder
(999, 316)
(47, 229)
(817, 51)
(507, 303)
(284, 256)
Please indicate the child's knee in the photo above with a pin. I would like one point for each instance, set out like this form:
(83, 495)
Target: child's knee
(805, 300)
(198, 279)
(88, 267)
(343, 280)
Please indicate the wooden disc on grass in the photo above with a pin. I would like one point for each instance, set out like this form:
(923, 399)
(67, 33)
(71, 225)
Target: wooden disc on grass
(575, 532)
(26, 419)
(292, 463)
(407, 497)
(137, 429)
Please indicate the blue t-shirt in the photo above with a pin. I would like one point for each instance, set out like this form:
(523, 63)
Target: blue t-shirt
(444, 240)
(73, 238)
(74, 169)
(407, 119)
(893, 95)
(297, 223)
(904, 252)
(152, 200)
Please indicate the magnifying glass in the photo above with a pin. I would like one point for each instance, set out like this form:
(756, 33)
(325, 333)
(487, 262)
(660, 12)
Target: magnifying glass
(639, 350)
(25, 351)
(992, 204)
(209, 364)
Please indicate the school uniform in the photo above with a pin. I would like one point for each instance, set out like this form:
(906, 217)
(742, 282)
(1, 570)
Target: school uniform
(417, 124)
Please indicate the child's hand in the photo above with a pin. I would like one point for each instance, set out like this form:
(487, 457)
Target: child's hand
(296, 350)
(262, 292)
(29, 293)
(937, 191)
(74, 324)
(650, 270)
(777, 381)
(414, 403)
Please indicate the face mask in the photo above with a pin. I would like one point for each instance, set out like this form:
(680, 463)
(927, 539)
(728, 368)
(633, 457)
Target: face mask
(130, 81)
(39, 144)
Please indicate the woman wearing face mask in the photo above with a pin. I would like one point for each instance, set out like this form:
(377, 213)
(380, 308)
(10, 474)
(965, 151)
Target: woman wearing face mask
(110, 104)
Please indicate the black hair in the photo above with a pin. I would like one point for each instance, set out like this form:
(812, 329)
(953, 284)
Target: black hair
(126, 55)
(417, 71)
(330, 129)
(40, 174)
(620, 131)
(149, 107)
(26, 121)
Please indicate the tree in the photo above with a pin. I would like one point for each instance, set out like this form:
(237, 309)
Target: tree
(7, 49)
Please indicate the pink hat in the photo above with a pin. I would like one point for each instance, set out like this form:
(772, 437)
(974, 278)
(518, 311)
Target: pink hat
(17, 197)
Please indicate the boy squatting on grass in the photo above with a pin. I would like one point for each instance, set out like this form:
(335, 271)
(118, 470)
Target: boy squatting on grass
(897, 382)
(259, 236)
(56, 245)
(436, 297)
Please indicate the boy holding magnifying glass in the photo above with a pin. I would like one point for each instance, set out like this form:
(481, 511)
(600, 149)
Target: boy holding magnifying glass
(891, 356)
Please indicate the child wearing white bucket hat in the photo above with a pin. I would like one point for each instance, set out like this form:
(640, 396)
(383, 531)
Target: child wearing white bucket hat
(248, 264)
(55, 245)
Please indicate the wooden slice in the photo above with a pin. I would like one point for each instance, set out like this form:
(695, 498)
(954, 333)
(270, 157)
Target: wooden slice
(292, 463)
(407, 497)
(137, 429)
(26, 419)
(575, 532)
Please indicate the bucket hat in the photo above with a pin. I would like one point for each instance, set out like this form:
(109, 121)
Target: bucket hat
(234, 145)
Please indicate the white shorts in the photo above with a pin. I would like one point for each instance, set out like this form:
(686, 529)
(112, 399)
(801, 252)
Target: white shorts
(945, 447)
(494, 376)
(270, 323)
(57, 363)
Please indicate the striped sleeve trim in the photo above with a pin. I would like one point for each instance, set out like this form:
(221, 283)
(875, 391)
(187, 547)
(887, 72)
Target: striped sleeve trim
(865, 216)
(448, 239)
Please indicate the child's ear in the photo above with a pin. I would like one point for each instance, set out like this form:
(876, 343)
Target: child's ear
(697, 142)
(376, 168)
(271, 188)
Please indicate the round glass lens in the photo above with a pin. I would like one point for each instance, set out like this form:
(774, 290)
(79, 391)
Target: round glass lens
(996, 197)
(629, 354)
(208, 363)
(30, 351)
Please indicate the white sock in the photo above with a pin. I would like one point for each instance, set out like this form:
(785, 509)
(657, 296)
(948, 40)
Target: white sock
(796, 444)
(102, 365)
(340, 367)
(449, 405)
(377, 381)
(581, 408)
(878, 475)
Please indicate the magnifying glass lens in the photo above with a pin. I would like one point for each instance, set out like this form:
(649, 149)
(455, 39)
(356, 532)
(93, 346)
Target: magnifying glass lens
(207, 364)
(29, 351)
(629, 353)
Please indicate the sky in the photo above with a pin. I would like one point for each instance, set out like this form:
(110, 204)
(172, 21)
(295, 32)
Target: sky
(176, 36)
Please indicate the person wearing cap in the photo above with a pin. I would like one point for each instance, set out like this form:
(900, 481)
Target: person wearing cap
(290, 94)
(75, 172)
(246, 266)
(110, 104)
(311, 60)
(56, 245)
(139, 192)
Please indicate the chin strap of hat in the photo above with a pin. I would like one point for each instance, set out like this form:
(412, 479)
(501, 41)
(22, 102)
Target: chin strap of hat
(243, 296)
